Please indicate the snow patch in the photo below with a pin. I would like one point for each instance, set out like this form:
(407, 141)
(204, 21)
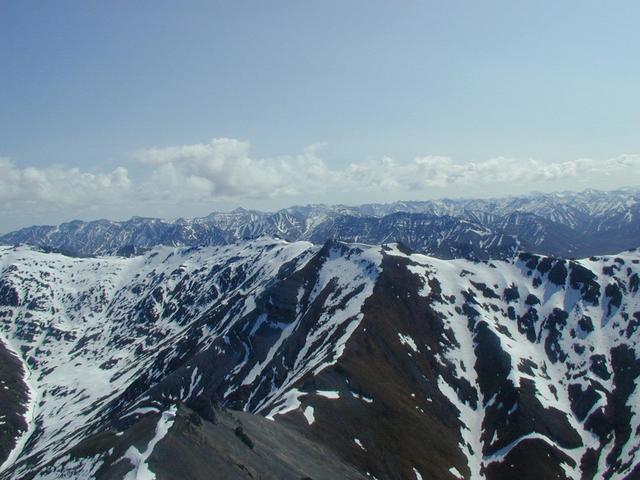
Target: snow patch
(407, 340)
(139, 459)
(454, 471)
(308, 414)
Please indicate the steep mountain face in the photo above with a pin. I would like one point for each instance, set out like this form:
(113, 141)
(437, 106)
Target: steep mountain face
(246, 224)
(104, 237)
(569, 225)
(441, 236)
(539, 234)
(335, 361)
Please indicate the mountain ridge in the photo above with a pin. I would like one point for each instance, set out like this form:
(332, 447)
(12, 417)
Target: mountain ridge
(399, 363)
(561, 224)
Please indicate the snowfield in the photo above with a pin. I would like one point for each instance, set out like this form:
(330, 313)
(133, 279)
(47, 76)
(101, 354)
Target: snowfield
(528, 351)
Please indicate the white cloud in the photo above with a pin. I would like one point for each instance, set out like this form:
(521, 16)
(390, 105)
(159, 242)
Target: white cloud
(426, 173)
(223, 170)
(56, 186)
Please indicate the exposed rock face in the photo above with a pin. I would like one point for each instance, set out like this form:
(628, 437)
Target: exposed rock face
(365, 361)
(181, 445)
(15, 403)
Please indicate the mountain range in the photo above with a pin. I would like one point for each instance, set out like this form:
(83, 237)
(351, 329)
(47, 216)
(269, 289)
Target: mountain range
(451, 339)
(569, 225)
(290, 360)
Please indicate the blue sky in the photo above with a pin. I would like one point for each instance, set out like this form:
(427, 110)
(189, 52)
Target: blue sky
(125, 107)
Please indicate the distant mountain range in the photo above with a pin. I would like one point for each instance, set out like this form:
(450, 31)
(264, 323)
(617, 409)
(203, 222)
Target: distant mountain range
(567, 224)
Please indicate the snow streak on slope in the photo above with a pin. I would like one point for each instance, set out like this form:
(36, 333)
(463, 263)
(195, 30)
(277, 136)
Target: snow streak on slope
(139, 459)
(87, 328)
(352, 278)
(99, 333)
(560, 325)
(534, 354)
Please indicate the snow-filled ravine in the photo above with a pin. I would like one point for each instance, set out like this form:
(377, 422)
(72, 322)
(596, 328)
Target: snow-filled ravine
(529, 352)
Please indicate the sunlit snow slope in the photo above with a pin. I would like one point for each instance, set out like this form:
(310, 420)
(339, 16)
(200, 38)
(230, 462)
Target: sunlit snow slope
(401, 365)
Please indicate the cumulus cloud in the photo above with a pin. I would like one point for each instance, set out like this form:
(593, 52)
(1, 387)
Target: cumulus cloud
(425, 173)
(59, 186)
(223, 170)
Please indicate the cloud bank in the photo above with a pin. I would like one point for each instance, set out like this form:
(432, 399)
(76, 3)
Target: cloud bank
(223, 170)
(424, 173)
(59, 186)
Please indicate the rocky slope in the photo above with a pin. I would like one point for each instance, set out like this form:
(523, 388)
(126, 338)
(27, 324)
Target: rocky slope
(567, 225)
(356, 361)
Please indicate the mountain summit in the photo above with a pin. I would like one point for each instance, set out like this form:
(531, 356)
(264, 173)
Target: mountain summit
(570, 225)
(270, 359)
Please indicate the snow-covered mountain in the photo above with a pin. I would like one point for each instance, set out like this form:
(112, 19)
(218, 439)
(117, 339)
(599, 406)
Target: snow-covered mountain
(105, 237)
(569, 225)
(270, 359)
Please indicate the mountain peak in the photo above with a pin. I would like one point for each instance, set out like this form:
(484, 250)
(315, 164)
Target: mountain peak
(562, 224)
